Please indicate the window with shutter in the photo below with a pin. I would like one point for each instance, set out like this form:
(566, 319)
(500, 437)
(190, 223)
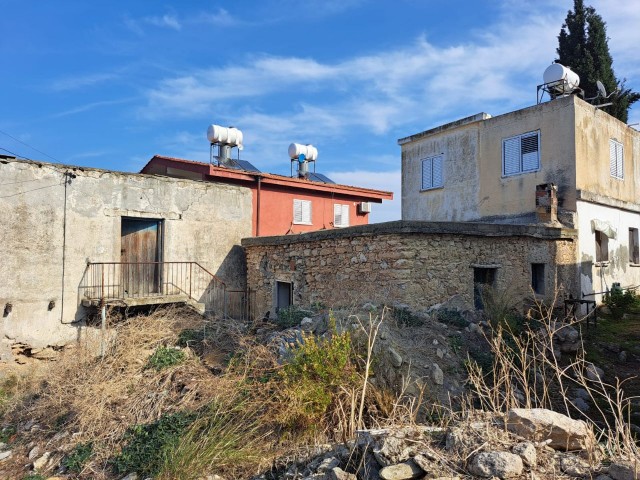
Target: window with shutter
(521, 154)
(340, 215)
(301, 212)
(432, 172)
(616, 159)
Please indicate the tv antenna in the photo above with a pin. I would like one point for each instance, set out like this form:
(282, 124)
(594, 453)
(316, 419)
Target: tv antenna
(602, 93)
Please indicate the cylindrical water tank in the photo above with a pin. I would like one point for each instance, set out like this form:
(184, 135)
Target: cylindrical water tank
(309, 151)
(224, 135)
(567, 80)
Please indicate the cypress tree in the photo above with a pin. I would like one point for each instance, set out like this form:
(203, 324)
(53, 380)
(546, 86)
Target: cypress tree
(583, 46)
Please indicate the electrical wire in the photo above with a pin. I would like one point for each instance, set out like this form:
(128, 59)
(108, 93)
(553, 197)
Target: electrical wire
(14, 154)
(33, 148)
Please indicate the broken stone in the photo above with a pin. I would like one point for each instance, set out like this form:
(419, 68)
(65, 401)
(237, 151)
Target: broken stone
(396, 359)
(573, 466)
(439, 353)
(402, 471)
(4, 455)
(594, 373)
(624, 471)
(527, 452)
(41, 463)
(437, 375)
(34, 452)
(496, 464)
(338, 474)
(540, 424)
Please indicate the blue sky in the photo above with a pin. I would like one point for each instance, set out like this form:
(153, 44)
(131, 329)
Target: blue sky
(110, 84)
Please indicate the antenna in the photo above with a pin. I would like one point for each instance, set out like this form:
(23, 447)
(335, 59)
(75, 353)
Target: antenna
(601, 90)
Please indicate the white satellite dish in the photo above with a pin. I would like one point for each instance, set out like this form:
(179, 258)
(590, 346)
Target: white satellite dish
(601, 89)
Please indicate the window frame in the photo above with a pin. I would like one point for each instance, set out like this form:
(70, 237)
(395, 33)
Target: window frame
(538, 278)
(302, 203)
(634, 246)
(521, 169)
(616, 168)
(430, 162)
(602, 247)
(344, 208)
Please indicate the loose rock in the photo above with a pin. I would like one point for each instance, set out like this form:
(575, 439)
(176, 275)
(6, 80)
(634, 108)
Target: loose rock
(496, 464)
(401, 471)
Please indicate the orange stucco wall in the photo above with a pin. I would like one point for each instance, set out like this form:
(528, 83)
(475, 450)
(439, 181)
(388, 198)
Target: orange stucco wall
(276, 211)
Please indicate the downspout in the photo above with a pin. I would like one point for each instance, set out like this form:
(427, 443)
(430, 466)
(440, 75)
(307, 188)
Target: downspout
(67, 181)
(258, 207)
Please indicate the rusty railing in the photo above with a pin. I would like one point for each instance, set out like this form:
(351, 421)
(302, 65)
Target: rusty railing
(121, 281)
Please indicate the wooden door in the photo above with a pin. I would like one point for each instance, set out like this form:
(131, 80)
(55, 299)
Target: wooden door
(140, 254)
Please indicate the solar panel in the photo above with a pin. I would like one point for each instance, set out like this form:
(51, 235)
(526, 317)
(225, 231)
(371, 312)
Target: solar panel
(243, 165)
(318, 177)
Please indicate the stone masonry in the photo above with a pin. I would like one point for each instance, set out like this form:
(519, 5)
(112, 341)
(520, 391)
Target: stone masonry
(416, 263)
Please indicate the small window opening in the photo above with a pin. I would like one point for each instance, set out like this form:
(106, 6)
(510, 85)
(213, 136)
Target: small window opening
(634, 246)
(284, 295)
(602, 247)
(537, 278)
(482, 279)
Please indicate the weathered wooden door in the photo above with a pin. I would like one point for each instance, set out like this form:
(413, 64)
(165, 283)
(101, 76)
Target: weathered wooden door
(140, 254)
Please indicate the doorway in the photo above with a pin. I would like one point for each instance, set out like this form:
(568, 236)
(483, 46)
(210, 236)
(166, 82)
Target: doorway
(284, 295)
(482, 278)
(140, 247)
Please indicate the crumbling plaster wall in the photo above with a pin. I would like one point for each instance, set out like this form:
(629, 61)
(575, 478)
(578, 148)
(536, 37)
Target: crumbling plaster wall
(416, 263)
(203, 221)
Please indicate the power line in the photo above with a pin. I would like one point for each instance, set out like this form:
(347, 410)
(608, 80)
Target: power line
(14, 154)
(27, 145)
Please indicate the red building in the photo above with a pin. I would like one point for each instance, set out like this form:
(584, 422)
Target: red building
(281, 204)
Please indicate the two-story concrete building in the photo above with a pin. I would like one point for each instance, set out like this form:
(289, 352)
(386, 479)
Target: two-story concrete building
(561, 162)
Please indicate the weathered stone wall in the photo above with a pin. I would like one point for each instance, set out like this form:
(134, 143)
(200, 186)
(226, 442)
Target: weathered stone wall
(417, 263)
(202, 221)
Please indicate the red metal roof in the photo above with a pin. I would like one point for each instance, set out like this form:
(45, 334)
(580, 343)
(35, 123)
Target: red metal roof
(222, 173)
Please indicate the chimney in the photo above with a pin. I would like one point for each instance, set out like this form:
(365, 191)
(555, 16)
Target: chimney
(547, 203)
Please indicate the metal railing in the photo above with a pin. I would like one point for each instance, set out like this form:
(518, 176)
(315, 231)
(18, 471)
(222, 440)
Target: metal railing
(106, 282)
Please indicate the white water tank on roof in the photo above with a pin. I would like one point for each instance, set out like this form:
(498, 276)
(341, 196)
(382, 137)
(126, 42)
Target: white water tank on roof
(225, 135)
(309, 151)
(566, 79)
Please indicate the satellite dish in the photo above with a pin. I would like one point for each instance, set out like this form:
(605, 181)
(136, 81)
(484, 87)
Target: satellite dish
(601, 89)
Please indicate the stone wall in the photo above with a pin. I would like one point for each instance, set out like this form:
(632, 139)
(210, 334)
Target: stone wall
(55, 218)
(417, 263)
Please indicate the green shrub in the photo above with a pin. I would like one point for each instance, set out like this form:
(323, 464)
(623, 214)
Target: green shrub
(7, 434)
(147, 445)
(76, 459)
(406, 318)
(165, 357)
(620, 302)
(290, 316)
(312, 379)
(452, 317)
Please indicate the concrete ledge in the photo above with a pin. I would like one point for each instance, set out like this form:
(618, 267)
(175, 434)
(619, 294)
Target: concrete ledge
(407, 228)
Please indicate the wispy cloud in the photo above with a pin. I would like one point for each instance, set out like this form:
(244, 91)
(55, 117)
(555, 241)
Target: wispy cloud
(164, 21)
(91, 106)
(81, 81)
(221, 18)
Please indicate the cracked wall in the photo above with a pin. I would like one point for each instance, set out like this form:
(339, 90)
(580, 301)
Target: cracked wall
(203, 221)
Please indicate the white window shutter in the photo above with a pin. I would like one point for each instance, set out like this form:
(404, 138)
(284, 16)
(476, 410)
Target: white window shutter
(511, 156)
(529, 146)
(345, 215)
(297, 211)
(427, 176)
(437, 171)
(306, 211)
(619, 161)
(337, 215)
(301, 211)
(612, 158)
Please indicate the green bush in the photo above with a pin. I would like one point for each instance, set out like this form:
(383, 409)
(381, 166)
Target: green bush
(290, 316)
(146, 445)
(620, 302)
(76, 459)
(312, 379)
(406, 317)
(452, 317)
(165, 357)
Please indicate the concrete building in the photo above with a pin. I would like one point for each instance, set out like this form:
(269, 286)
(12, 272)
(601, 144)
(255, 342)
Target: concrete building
(564, 162)
(71, 235)
(282, 205)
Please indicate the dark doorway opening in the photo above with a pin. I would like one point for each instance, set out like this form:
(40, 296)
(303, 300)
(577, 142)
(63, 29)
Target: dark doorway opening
(482, 279)
(537, 278)
(140, 252)
(284, 295)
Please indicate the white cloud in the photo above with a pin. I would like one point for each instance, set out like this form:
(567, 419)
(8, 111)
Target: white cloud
(221, 18)
(91, 106)
(165, 21)
(79, 81)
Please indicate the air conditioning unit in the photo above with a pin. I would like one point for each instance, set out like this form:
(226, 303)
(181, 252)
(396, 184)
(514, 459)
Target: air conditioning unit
(365, 207)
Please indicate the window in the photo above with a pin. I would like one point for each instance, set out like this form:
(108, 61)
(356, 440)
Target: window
(602, 247)
(616, 159)
(284, 295)
(432, 172)
(521, 154)
(340, 215)
(537, 278)
(634, 248)
(302, 212)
